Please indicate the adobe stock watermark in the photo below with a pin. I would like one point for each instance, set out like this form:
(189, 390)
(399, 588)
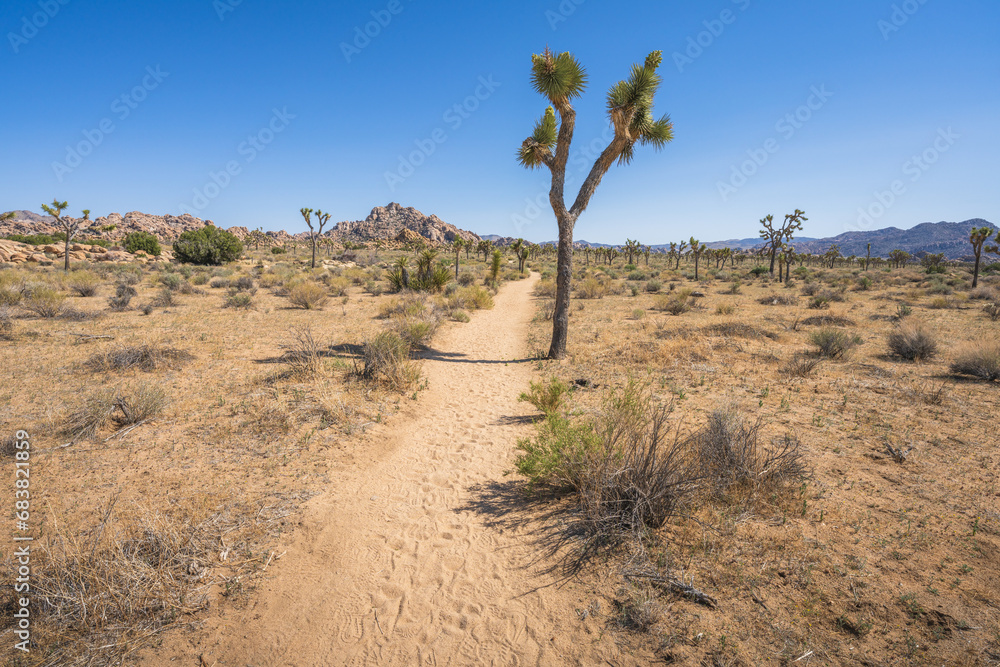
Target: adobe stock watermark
(364, 34)
(223, 7)
(914, 169)
(714, 28)
(248, 150)
(454, 116)
(122, 107)
(31, 25)
(786, 126)
(562, 13)
(900, 16)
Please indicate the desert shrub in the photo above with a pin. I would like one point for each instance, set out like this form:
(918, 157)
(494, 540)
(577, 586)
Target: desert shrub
(386, 362)
(638, 313)
(903, 310)
(819, 301)
(637, 276)
(801, 365)
(479, 298)
(239, 300)
(863, 284)
(834, 343)
(459, 315)
(308, 295)
(546, 289)
(10, 295)
(778, 300)
(983, 293)
(557, 456)
(339, 286)
(219, 283)
(278, 250)
(758, 271)
(208, 245)
(992, 311)
(416, 332)
(164, 298)
(128, 275)
(304, 353)
(83, 283)
(243, 284)
(591, 288)
(122, 298)
(144, 241)
(676, 302)
(465, 279)
(940, 303)
(979, 360)
(653, 286)
(725, 309)
(736, 287)
(6, 324)
(547, 397)
(120, 406)
(911, 341)
(171, 281)
(731, 455)
(146, 357)
(44, 301)
(199, 279)
(811, 289)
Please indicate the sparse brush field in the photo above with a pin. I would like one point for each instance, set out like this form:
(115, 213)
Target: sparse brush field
(178, 415)
(882, 549)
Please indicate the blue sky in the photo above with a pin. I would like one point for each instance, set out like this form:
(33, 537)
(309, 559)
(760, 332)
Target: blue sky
(865, 114)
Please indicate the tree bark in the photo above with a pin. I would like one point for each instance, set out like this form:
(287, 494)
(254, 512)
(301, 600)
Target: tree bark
(564, 275)
(975, 272)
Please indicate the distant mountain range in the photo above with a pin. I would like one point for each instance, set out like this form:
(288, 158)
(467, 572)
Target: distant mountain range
(397, 222)
(950, 238)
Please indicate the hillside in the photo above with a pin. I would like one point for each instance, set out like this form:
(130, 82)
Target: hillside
(951, 238)
(387, 222)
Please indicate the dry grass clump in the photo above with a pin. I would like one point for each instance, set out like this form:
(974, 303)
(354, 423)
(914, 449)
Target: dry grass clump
(305, 354)
(984, 293)
(912, 341)
(100, 593)
(801, 365)
(778, 300)
(386, 360)
(239, 300)
(732, 456)
(980, 359)
(992, 311)
(738, 330)
(146, 357)
(590, 288)
(120, 406)
(828, 321)
(83, 283)
(6, 324)
(834, 343)
(44, 301)
(676, 302)
(308, 295)
(124, 293)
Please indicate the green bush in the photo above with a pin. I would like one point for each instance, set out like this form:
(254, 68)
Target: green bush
(547, 397)
(208, 245)
(759, 271)
(278, 250)
(834, 343)
(558, 453)
(144, 241)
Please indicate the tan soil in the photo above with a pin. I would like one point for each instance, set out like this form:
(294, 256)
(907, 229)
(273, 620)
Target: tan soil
(402, 560)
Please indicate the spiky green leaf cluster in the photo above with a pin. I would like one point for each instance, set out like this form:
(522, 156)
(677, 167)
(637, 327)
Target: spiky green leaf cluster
(542, 141)
(630, 103)
(560, 77)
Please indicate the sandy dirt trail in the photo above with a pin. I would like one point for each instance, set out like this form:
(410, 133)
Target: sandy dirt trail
(398, 564)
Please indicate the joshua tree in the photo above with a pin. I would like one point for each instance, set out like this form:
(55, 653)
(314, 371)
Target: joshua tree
(457, 244)
(680, 251)
(632, 250)
(774, 236)
(519, 249)
(868, 256)
(697, 248)
(978, 238)
(898, 258)
(495, 267)
(560, 78)
(645, 251)
(322, 219)
(70, 226)
(832, 255)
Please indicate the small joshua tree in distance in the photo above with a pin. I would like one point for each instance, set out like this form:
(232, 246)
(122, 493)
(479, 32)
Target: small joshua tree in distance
(70, 226)
(775, 236)
(978, 237)
(322, 218)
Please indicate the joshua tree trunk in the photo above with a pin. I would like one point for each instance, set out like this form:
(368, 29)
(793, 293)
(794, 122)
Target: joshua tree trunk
(564, 274)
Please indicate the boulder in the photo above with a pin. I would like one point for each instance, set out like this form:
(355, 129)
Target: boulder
(53, 249)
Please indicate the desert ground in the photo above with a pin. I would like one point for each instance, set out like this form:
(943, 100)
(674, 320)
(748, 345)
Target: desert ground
(267, 464)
